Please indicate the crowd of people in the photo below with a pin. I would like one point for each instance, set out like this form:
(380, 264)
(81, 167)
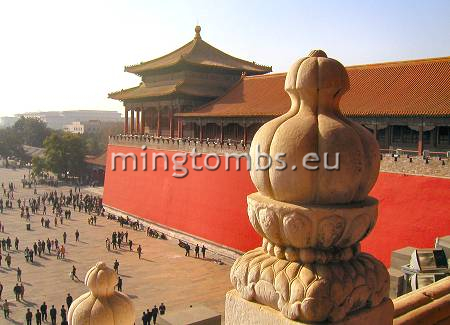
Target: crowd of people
(59, 206)
(150, 316)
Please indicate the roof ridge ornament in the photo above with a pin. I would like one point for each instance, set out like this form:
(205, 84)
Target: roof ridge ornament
(197, 32)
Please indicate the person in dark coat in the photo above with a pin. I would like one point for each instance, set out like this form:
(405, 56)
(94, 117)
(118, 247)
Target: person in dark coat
(44, 311)
(144, 318)
(29, 316)
(53, 313)
(154, 314)
(162, 309)
(69, 300)
(38, 317)
(63, 313)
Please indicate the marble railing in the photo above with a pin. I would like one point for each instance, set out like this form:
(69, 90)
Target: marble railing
(183, 144)
(429, 305)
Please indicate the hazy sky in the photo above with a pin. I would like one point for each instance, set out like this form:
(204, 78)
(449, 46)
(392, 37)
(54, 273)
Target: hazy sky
(58, 55)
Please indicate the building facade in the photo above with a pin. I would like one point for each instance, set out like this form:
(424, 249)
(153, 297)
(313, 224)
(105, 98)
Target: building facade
(199, 92)
(405, 104)
(74, 127)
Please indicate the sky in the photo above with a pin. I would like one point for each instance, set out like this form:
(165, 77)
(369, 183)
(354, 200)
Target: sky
(64, 55)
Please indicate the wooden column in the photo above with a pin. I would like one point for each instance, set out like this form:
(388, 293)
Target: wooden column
(434, 137)
(158, 123)
(150, 122)
(221, 131)
(132, 122)
(420, 141)
(170, 117)
(437, 136)
(245, 133)
(143, 116)
(388, 136)
(125, 125)
(201, 131)
(180, 127)
(138, 122)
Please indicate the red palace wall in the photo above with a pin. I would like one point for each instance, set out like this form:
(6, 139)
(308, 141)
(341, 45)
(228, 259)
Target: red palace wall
(413, 210)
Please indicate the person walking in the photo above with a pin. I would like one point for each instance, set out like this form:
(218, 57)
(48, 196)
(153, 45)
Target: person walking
(8, 260)
(53, 314)
(162, 309)
(63, 313)
(74, 273)
(16, 291)
(19, 274)
(154, 314)
(77, 235)
(22, 291)
(44, 311)
(197, 251)
(139, 251)
(69, 300)
(62, 252)
(6, 309)
(116, 266)
(1, 290)
(29, 316)
(38, 317)
(64, 237)
(119, 284)
(203, 251)
(144, 318)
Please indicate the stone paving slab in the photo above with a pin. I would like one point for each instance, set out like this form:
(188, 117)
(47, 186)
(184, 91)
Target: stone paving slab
(164, 274)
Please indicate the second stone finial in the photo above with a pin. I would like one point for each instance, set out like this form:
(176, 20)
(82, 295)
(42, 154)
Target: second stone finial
(102, 305)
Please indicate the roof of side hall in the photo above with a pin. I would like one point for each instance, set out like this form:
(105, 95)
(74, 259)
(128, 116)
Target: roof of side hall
(199, 52)
(404, 88)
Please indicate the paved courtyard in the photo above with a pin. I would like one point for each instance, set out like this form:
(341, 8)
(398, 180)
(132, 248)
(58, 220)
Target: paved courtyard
(164, 274)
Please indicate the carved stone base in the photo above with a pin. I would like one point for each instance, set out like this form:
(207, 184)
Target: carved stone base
(322, 227)
(310, 292)
(240, 311)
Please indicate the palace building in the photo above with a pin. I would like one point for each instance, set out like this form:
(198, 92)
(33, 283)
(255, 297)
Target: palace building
(180, 82)
(198, 97)
(201, 92)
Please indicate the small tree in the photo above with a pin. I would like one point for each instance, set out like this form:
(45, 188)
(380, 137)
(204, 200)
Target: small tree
(39, 166)
(65, 153)
(11, 145)
(32, 131)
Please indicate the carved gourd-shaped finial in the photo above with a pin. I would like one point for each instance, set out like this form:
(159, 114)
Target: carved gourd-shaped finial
(314, 129)
(102, 305)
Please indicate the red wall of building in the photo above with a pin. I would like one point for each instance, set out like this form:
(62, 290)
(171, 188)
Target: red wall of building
(212, 204)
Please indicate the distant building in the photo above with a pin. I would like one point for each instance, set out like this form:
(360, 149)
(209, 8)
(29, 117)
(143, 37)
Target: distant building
(74, 127)
(92, 126)
(6, 121)
(59, 119)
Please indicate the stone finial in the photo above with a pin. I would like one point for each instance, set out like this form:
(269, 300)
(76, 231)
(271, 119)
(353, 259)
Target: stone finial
(341, 157)
(197, 32)
(102, 305)
(313, 214)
